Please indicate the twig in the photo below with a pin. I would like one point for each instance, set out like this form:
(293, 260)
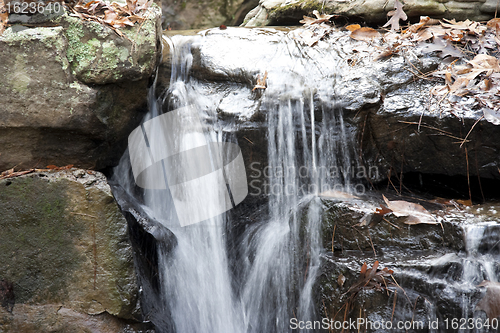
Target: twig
(448, 134)
(395, 226)
(333, 235)
(468, 179)
(394, 304)
(471, 130)
(373, 247)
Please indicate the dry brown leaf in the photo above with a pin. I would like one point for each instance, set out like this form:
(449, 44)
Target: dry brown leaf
(443, 46)
(486, 63)
(424, 35)
(112, 18)
(382, 210)
(114, 15)
(467, 202)
(471, 26)
(459, 83)
(415, 212)
(341, 280)
(492, 116)
(4, 17)
(494, 24)
(454, 35)
(415, 27)
(311, 37)
(320, 18)
(261, 83)
(397, 14)
(372, 278)
(490, 303)
(365, 34)
(353, 27)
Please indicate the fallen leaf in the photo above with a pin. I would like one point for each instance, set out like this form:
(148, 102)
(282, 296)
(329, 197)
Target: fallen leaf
(115, 20)
(490, 303)
(341, 280)
(261, 83)
(463, 25)
(382, 210)
(493, 116)
(484, 62)
(353, 27)
(365, 34)
(311, 37)
(4, 17)
(320, 18)
(424, 21)
(114, 15)
(440, 45)
(372, 278)
(494, 24)
(459, 84)
(415, 212)
(467, 202)
(397, 14)
(424, 35)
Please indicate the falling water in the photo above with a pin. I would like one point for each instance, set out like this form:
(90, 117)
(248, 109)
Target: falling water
(278, 256)
(224, 277)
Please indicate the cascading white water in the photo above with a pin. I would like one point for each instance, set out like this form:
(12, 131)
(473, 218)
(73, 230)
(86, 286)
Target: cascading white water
(280, 253)
(209, 284)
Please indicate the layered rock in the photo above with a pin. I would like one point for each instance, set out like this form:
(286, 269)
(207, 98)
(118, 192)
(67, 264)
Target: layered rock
(282, 12)
(73, 90)
(381, 101)
(436, 267)
(181, 15)
(66, 252)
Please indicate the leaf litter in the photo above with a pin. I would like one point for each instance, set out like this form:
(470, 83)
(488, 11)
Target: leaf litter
(372, 278)
(112, 14)
(470, 81)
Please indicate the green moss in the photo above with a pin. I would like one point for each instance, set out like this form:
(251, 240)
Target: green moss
(36, 247)
(79, 53)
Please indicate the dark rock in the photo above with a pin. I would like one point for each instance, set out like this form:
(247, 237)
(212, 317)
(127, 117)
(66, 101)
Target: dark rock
(182, 15)
(7, 296)
(150, 240)
(64, 244)
(282, 12)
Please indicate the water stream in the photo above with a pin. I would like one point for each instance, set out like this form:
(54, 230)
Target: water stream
(216, 282)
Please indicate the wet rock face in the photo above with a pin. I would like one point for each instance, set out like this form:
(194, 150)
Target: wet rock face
(281, 12)
(437, 267)
(73, 92)
(381, 101)
(64, 244)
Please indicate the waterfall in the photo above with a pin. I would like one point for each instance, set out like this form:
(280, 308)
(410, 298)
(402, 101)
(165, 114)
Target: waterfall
(257, 266)
(270, 276)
